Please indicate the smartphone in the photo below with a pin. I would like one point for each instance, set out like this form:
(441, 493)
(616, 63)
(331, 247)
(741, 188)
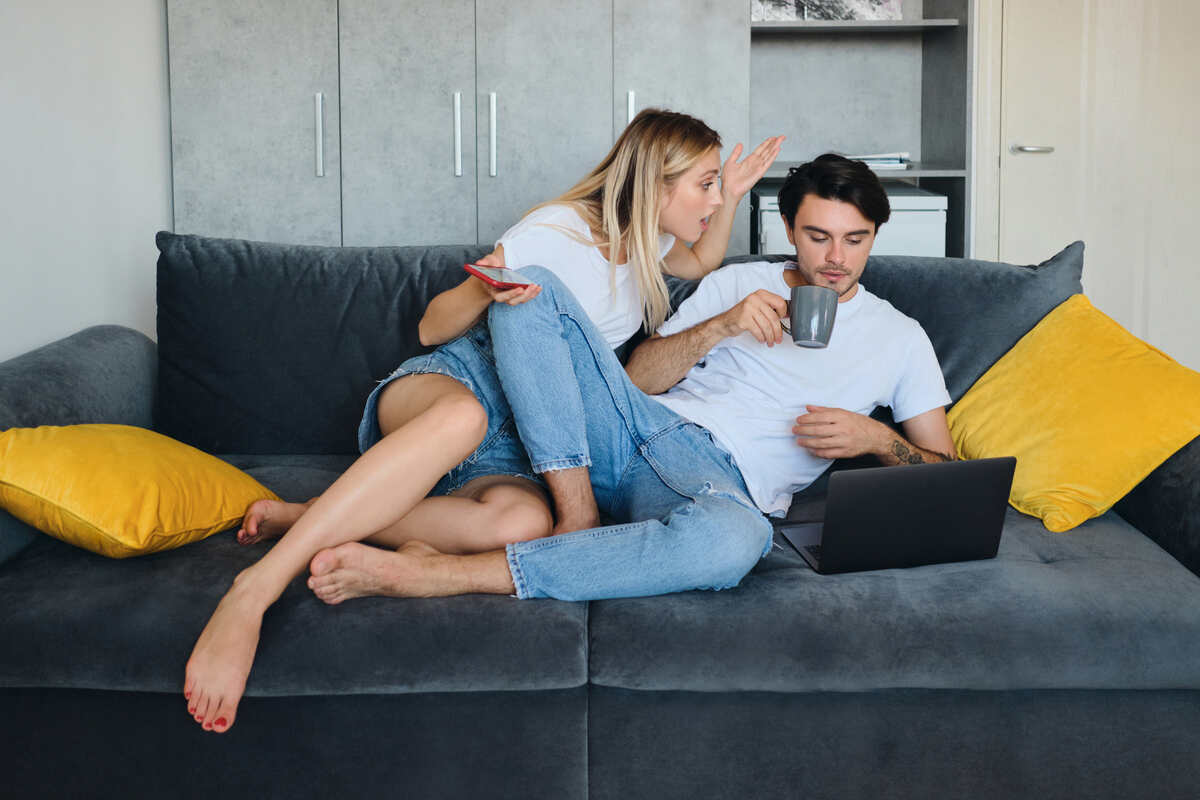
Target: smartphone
(500, 277)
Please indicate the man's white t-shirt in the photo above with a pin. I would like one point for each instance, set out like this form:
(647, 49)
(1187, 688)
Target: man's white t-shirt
(542, 238)
(748, 395)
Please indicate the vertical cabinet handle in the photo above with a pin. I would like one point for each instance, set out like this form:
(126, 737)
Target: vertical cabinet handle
(630, 106)
(458, 134)
(319, 119)
(492, 134)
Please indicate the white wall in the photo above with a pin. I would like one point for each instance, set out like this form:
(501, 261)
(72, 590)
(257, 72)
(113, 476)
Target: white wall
(85, 176)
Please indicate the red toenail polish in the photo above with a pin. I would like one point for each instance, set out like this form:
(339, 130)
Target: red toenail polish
(220, 723)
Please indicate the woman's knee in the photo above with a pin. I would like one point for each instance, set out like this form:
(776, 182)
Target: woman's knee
(516, 515)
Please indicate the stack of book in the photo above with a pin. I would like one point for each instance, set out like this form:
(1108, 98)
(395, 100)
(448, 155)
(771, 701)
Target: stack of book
(884, 161)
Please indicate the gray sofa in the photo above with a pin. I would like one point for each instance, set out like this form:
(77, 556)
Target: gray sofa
(1068, 666)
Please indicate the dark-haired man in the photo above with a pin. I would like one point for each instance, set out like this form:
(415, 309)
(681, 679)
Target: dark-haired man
(785, 412)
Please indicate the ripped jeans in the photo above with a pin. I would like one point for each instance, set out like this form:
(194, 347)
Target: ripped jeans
(685, 519)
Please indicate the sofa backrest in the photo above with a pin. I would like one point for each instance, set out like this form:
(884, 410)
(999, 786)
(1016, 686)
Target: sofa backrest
(272, 348)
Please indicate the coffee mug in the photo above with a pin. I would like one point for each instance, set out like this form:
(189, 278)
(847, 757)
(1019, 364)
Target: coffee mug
(811, 313)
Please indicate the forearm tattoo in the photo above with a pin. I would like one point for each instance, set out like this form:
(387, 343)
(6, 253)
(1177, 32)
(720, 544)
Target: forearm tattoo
(907, 455)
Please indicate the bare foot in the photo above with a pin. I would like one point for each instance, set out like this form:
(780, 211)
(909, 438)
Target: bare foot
(357, 570)
(221, 660)
(269, 519)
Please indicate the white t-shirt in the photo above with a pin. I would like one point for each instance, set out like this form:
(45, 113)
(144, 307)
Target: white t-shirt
(541, 238)
(748, 395)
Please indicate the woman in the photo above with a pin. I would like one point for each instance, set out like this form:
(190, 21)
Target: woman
(441, 461)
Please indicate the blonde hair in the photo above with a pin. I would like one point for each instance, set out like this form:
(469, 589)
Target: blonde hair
(621, 198)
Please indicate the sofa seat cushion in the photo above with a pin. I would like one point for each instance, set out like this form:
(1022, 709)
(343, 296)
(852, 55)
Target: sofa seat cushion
(78, 620)
(1101, 607)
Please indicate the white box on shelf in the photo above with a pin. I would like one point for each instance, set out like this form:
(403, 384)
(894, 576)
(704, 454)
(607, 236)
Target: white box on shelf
(917, 226)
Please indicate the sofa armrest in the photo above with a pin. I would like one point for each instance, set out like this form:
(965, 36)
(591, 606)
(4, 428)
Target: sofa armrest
(105, 373)
(1166, 505)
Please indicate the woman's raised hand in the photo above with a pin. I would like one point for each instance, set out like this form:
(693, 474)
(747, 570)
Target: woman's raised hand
(737, 177)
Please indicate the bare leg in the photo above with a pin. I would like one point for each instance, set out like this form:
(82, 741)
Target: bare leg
(574, 502)
(269, 519)
(441, 423)
(497, 510)
(415, 570)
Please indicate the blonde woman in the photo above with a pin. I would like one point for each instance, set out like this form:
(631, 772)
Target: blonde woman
(443, 470)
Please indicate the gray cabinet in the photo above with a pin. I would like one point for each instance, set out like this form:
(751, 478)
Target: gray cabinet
(254, 99)
(540, 88)
(549, 64)
(408, 160)
(417, 172)
(691, 56)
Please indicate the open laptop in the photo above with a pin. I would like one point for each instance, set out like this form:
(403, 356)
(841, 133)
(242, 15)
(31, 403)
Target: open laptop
(907, 516)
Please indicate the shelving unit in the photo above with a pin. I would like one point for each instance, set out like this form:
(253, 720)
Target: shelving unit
(873, 86)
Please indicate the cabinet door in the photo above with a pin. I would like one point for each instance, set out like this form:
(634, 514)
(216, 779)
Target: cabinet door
(245, 132)
(408, 170)
(549, 64)
(691, 56)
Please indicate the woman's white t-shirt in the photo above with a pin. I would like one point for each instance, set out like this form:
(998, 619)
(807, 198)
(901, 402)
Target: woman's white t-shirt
(542, 238)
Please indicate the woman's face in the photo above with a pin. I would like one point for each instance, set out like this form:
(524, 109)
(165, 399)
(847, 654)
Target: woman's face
(688, 204)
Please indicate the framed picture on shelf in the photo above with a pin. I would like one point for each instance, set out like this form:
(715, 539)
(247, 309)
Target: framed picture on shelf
(794, 10)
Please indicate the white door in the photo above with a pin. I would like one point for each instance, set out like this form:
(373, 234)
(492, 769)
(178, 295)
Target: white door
(1041, 160)
(1110, 85)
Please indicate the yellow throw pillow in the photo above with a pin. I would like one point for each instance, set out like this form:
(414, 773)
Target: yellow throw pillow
(1088, 409)
(118, 490)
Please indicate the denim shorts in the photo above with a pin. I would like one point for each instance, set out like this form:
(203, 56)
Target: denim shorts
(468, 360)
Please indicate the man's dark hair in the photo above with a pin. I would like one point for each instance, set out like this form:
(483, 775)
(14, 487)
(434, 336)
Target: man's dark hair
(835, 177)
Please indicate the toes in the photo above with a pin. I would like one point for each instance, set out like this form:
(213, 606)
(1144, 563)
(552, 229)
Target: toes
(323, 563)
(222, 716)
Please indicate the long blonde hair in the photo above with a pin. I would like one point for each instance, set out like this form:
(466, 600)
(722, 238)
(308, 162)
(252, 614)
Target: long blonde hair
(621, 198)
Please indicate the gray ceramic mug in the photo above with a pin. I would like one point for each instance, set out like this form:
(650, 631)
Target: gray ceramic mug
(811, 312)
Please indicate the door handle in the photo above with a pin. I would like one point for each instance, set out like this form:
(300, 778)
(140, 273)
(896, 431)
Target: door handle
(319, 119)
(492, 134)
(1030, 148)
(458, 134)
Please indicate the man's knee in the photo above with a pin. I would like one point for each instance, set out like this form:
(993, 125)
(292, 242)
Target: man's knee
(739, 536)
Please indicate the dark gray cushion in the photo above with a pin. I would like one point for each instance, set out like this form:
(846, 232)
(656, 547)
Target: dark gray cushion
(973, 311)
(15, 536)
(105, 373)
(90, 622)
(272, 348)
(84, 621)
(1101, 607)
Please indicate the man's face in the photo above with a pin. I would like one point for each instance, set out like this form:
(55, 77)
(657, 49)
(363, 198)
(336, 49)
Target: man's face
(832, 240)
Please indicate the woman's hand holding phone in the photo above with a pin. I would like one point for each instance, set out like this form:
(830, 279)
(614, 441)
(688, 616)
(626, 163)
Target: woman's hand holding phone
(497, 290)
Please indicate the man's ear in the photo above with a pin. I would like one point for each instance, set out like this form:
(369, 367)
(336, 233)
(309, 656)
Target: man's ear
(787, 226)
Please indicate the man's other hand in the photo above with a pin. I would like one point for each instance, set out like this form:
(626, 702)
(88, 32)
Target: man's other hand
(759, 314)
(837, 433)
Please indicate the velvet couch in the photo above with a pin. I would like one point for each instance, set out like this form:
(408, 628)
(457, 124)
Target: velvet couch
(1068, 666)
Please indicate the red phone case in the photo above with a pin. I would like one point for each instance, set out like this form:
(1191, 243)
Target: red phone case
(488, 279)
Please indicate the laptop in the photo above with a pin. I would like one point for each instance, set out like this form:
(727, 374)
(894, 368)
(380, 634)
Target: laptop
(907, 516)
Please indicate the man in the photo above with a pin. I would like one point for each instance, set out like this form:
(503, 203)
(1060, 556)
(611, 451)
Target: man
(686, 475)
(719, 360)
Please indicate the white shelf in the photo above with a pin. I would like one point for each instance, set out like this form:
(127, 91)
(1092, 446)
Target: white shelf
(917, 169)
(802, 27)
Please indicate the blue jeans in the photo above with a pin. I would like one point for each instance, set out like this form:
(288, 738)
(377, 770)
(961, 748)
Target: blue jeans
(687, 518)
